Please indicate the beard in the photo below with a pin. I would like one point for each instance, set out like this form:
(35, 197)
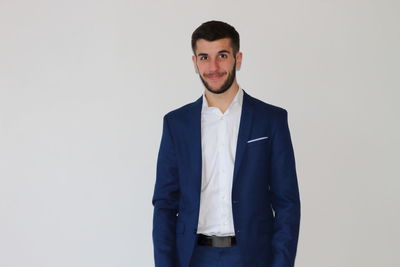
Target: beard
(224, 87)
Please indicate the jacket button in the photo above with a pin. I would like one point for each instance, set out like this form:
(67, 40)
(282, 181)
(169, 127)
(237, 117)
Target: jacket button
(235, 201)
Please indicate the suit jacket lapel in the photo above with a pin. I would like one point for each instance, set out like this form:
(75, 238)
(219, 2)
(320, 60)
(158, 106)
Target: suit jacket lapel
(244, 132)
(194, 130)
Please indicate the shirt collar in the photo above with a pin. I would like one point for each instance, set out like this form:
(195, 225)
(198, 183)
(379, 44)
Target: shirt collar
(238, 99)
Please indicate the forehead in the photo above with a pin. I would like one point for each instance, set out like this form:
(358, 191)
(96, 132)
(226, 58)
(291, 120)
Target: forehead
(210, 47)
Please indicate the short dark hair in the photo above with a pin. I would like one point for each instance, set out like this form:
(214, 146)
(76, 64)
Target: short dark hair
(214, 30)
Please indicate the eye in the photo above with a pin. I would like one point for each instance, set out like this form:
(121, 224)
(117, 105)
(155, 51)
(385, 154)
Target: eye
(203, 57)
(224, 56)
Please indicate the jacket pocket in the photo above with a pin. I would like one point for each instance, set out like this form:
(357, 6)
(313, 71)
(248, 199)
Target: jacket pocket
(258, 142)
(258, 139)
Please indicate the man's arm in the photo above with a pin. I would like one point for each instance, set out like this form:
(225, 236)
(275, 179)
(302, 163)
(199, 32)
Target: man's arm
(285, 195)
(165, 202)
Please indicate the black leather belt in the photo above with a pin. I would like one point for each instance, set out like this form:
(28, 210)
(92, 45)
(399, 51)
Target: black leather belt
(216, 241)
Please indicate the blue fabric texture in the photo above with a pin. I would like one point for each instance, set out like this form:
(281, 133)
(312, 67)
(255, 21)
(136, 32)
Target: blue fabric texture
(265, 194)
(204, 256)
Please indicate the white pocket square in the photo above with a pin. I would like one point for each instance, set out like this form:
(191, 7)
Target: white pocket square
(257, 139)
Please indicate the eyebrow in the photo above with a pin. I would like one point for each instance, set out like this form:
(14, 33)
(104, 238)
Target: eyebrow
(224, 51)
(219, 52)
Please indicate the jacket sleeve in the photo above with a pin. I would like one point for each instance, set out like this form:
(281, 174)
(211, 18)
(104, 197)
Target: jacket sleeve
(285, 195)
(165, 202)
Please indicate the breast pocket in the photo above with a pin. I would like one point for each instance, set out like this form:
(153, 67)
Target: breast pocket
(262, 141)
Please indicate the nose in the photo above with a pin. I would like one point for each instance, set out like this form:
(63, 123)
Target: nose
(214, 65)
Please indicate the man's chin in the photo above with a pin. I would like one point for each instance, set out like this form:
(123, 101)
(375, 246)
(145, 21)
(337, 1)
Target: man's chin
(218, 90)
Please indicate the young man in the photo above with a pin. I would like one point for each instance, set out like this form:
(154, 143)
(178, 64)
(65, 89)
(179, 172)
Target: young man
(226, 191)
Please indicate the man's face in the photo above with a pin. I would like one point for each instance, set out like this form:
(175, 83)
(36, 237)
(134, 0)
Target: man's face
(216, 64)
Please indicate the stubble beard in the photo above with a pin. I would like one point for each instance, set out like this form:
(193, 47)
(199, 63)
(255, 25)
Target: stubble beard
(224, 87)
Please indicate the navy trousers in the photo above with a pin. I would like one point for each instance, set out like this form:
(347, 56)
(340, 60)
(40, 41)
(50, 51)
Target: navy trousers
(205, 256)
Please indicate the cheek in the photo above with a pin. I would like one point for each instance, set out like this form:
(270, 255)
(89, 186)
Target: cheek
(202, 67)
(229, 65)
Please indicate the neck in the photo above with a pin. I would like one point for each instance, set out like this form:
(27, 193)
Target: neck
(222, 101)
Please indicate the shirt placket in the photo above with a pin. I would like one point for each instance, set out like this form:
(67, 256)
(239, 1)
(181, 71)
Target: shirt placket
(222, 154)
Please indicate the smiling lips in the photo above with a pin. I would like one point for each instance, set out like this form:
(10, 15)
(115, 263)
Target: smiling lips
(215, 75)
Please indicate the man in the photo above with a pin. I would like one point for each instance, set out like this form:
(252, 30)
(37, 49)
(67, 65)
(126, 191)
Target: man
(226, 191)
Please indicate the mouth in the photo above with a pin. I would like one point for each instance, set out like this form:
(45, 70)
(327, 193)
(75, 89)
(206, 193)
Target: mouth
(214, 76)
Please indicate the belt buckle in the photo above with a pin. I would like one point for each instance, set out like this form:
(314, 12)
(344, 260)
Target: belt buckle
(221, 242)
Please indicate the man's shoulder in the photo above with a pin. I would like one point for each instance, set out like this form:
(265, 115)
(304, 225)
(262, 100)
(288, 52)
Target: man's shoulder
(259, 106)
(262, 106)
(182, 111)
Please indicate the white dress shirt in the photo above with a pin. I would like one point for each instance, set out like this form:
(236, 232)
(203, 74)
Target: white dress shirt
(219, 132)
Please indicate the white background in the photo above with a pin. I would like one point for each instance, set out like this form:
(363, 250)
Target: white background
(84, 85)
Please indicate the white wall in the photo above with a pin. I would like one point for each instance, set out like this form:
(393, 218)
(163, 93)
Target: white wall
(84, 85)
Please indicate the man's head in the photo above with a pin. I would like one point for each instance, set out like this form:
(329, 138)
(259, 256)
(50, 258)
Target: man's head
(215, 30)
(216, 56)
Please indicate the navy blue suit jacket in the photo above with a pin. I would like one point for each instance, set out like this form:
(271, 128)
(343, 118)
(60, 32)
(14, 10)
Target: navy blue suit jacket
(265, 195)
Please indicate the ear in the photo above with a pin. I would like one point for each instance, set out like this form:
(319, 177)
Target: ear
(239, 56)
(194, 64)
